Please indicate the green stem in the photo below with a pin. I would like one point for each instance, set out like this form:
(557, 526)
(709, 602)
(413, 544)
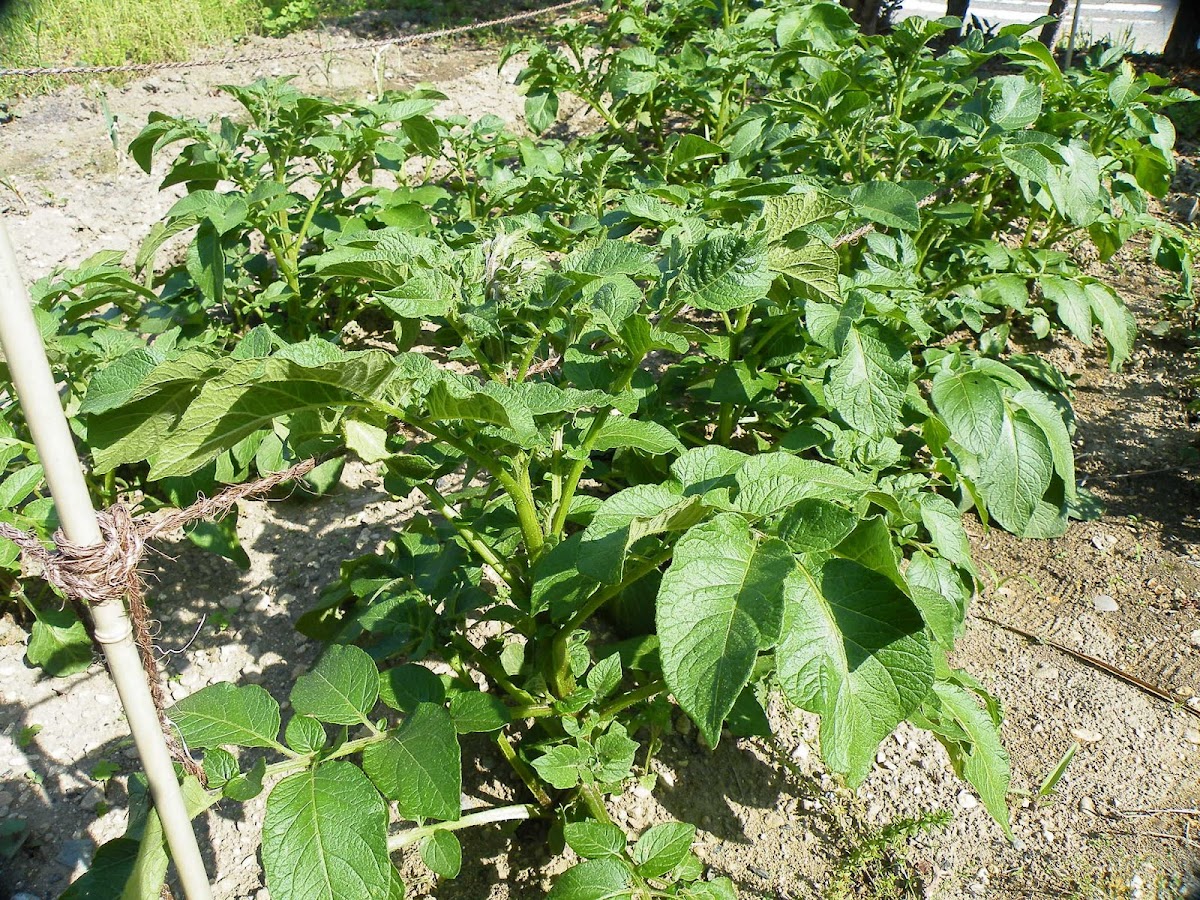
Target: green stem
(483, 817)
(594, 801)
(563, 683)
(522, 769)
(634, 697)
(476, 543)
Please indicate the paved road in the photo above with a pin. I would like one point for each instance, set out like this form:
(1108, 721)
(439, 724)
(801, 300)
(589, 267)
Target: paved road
(1147, 21)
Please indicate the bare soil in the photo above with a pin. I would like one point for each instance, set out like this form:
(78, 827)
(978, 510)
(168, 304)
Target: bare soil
(1122, 821)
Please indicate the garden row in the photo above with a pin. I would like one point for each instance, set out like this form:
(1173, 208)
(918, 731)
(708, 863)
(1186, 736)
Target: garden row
(697, 402)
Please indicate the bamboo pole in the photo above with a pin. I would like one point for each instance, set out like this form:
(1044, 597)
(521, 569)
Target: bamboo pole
(36, 390)
(1071, 38)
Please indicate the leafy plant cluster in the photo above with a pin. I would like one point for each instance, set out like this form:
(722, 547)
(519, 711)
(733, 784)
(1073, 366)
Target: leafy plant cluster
(687, 433)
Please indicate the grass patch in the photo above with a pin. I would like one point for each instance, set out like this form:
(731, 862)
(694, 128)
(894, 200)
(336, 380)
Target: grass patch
(37, 33)
(112, 32)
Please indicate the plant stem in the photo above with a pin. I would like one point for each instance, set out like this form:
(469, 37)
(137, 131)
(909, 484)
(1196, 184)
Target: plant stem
(476, 543)
(483, 817)
(634, 697)
(594, 801)
(522, 769)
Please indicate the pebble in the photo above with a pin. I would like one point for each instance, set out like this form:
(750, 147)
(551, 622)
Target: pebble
(1194, 638)
(72, 852)
(1192, 736)
(683, 726)
(231, 602)
(967, 800)
(92, 798)
(1087, 805)
(1104, 603)
(1086, 735)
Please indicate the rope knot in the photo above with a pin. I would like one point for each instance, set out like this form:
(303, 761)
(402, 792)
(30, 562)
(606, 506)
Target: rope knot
(101, 573)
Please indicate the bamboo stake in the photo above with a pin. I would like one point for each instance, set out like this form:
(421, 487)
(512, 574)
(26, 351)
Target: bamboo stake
(36, 390)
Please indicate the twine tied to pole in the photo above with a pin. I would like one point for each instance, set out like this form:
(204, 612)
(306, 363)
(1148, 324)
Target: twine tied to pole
(108, 572)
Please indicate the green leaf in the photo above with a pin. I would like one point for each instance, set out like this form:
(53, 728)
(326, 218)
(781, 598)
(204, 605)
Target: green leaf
(813, 267)
(605, 676)
(420, 765)
(594, 840)
(19, 485)
(853, 650)
(625, 518)
(219, 537)
(253, 393)
(442, 852)
(304, 734)
(341, 689)
(983, 761)
(596, 879)
(943, 521)
(814, 525)
(59, 644)
(1015, 472)
(615, 751)
(220, 768)
(407, 686)
(248, 785)
(645, 436)
(939, 593)
(723, 272)
(325, 836)
(1116, 322)
(224, 713)
(1014, 102)
(562, 767)
(868, 383)
(663, 847)
(973, 408)
(206, 264)
(108, 874)
(1049, 419)
(787, 213)
(541, 110)
(772, 482)
(476, 712)
(886, 204)
(720, 603)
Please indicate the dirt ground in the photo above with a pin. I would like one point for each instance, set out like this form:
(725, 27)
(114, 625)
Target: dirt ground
(1124, 589)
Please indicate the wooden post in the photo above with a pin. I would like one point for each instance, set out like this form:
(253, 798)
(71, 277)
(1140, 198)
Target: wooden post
(35, 388)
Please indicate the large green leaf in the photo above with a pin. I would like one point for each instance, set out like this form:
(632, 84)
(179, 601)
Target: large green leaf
(973, 408)
(224, 713)
(341, 689)
(720, 603)
(867, 384)
(59, 644)
(771, 482)
(625, 518)
(1014, 102)
(725, 271)
(1015, 472)
(887, 204)
(596, 879)
(325, 836)
(420, 765)
(813, 267)
(854, 651)
(253, 393)
(982, 760)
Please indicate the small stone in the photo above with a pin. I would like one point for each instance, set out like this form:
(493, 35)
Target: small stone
(967, 800)
(231, 602)
(71, 853)
(1103, 542)
(1194, 638)
(1087, 805)
(641, 793)
(1086, 735)
(683, 725)
(1192, 736)
(975, 889)
(92, 798)
(1104, 603)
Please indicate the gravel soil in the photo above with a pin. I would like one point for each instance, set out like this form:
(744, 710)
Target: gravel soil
(1125, 589)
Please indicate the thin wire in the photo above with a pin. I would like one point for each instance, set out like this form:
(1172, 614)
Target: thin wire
(403, 40)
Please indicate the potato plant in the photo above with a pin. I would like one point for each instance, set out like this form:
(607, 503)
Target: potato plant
(688, 435)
